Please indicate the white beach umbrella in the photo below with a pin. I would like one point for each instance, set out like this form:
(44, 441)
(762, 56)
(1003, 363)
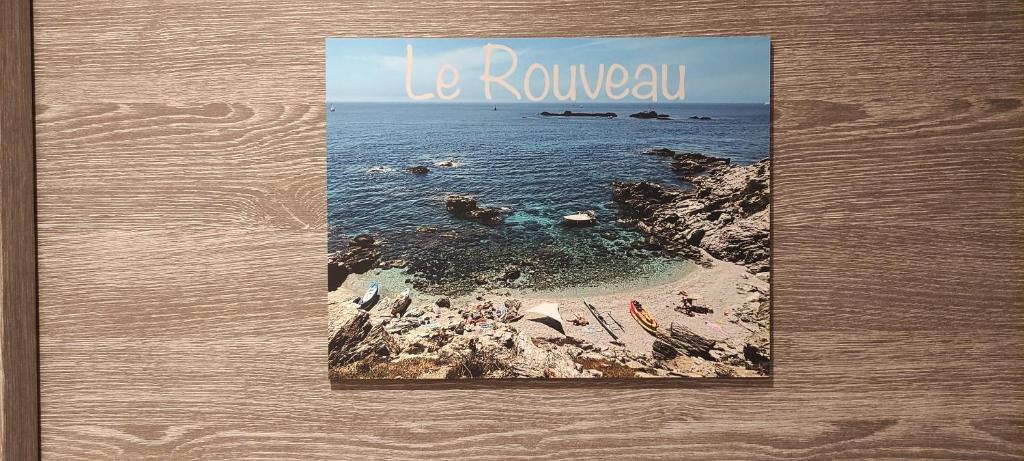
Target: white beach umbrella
(547, 313)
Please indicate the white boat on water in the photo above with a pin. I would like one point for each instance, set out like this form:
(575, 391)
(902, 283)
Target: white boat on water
(332, 108)
(583, 218)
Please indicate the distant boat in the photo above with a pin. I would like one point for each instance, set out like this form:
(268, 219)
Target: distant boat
(332, 108)
(495, 108)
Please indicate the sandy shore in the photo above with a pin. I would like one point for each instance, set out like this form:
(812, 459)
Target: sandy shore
(722, 287)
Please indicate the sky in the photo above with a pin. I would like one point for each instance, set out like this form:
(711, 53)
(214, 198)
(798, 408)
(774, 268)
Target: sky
(717, 69)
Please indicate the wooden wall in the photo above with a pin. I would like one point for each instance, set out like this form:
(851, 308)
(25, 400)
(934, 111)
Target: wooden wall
(181, 232)
(19, 385)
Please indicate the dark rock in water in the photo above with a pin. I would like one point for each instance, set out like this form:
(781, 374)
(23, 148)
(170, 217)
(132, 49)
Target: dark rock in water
(394, 264)
(460, 204)
(609, 235)
(570, 113)
(699, 117)
(426, 229)
(487, 215)
(418, 169)
(466, 207)
(660, 152)
(443, 302)
(364, 240)
(650, 114)
(690, 163)
(643, 198)
(511, 273)
(360, 256)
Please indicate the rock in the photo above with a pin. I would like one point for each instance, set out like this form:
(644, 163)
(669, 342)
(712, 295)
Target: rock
(726, 214)
(588, 373)
(511, 273)
(466, 207)
(460, 204)
(426, 229)
(487, 215)
(512, 310)
(418, 169)
(402, 326)
(660, 152)
(336, 274)
(400, 305)
(443, 302)
(394, 264)
(650, 114)
(360, 256)
(541, 359)
(691, 163)
(643, 198)
(699, 117)
(356, 339)
(444, 164)
(681, 341)
(570, 113)
(415, 312)
(364, 241)
(748, 288)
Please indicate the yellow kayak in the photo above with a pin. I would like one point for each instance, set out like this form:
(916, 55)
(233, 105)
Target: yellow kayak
(642, 317)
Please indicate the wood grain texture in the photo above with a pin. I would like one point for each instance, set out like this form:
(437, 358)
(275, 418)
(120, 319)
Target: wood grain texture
(19, 383)
(181, 198)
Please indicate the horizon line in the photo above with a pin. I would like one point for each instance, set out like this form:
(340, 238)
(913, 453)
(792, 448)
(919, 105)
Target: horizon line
(397, 101)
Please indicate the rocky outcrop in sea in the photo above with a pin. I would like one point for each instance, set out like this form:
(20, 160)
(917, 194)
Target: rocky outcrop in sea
(466, 207)
(650, 114)
(726, 213)
(570, 113)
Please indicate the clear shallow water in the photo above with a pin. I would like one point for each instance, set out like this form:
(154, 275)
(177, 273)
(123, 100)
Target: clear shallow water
(540, 167)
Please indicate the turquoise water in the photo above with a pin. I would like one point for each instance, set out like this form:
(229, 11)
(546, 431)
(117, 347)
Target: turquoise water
(541, 168)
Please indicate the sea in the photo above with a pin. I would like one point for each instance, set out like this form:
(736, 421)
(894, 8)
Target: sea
(539, 168)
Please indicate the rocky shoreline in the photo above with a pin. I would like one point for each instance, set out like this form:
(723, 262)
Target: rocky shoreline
(721, 222)
(726, 213)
